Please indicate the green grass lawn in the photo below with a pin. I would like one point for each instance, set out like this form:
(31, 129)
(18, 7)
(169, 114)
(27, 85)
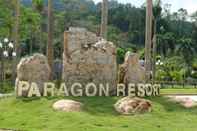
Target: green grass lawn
(98, 115)
(191, 91)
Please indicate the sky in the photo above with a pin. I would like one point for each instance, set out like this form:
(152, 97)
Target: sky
(190, 5)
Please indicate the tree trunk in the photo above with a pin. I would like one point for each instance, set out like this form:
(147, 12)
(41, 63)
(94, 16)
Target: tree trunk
(16, 39)
(50, 37)
(148, 40)
(154, 50)
(31, 41)
(38, 37)
(104, 19)
(2, 67)
(3, 72)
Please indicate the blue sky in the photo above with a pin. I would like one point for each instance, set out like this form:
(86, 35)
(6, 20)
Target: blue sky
(190, 5)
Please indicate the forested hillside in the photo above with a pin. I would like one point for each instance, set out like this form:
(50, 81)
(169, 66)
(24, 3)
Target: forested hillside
(176, 32)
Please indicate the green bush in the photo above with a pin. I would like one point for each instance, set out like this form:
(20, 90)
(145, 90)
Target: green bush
(161, 75)
(194, 74)
(176, 75)
(121, 54)
(194, 65)
(173, 69)
(6, 87)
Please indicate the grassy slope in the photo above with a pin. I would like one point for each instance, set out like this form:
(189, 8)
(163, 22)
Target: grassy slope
(98, 115)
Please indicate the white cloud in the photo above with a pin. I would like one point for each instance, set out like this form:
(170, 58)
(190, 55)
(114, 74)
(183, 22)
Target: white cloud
(191, 6)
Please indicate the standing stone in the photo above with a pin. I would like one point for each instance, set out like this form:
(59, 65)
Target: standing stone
(131, 71)
(88, 59)
(33, 69)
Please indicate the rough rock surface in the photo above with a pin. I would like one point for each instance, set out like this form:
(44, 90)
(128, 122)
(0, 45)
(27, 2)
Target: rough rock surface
(33, 69)
(68, 106)
(132, 105)
(184, 100)
(88, 59)
(131, 71)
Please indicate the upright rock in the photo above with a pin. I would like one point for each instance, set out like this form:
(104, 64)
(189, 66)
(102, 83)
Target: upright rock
(33, 69)
(131, 71)
(88, 59)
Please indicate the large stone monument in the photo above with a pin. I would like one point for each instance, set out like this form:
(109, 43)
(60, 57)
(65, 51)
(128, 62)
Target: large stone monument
(88, 59)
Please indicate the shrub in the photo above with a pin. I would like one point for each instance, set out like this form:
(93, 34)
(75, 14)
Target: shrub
(176, 75)
(6, 87)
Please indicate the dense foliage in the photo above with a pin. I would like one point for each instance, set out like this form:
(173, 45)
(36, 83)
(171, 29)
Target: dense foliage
(176, 32)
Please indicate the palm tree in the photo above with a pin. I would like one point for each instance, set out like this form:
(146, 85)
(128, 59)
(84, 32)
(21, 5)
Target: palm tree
(50, 37)
(154, 53)
(104, 21)
(157, 9)
(187, 50)
(166, 43)
(148, 40)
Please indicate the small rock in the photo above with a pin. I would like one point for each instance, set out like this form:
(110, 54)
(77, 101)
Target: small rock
(185, 101)
(132, 105)
(67, 106)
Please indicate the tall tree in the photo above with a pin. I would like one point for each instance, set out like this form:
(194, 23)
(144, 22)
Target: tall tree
(16, 38)
(157, 9)
(186, 48)
(16, 30)
(194, 33)
(38, 5)
(50, 37)
(104, 19)
(182, 16)
(148, 39)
